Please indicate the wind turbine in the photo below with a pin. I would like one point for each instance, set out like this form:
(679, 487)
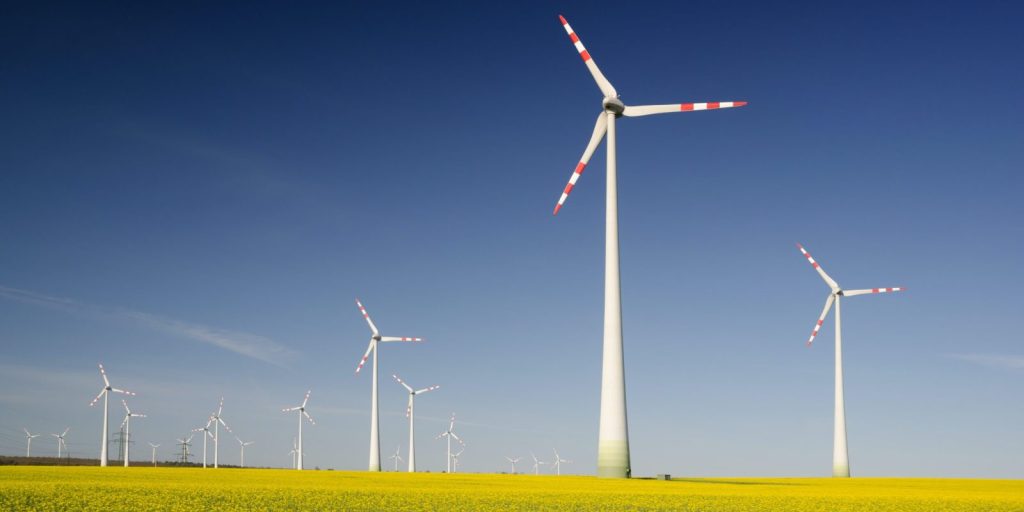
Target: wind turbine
(396, 457)
(206, 433)
(127, 423)
(30, 437)
(455, 456)
(840, 454)
(558, 462)
(105, 392)
(242, 445)
(411, 414)
(302, 412)
(537, 463)
(294, 453)
(217, 422)
(613, 438)
(374, 420)
(513, 461)
(450, 433)
(60, 442)
(154, 446)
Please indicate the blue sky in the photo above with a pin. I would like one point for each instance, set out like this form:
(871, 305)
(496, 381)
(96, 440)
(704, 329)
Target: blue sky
(194, 196)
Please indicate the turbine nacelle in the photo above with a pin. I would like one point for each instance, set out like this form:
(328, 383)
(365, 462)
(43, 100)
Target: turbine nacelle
(613, 105)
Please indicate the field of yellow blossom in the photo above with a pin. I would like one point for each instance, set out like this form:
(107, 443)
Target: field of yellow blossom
(192, 489)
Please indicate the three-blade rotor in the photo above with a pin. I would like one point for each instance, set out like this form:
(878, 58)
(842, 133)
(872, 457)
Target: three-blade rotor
(836, 291)
(107, 388)
(301, 408)
(376, 337)
(612, 104)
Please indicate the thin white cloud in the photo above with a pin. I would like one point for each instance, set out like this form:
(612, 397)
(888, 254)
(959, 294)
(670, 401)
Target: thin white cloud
(249, 345)
(998, 361)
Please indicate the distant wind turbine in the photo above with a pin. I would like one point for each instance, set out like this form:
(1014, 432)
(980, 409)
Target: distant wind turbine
(294, 453)
(840, 454)
(396, 457)
(374, 416)
(537, 463)
(302, 412)
(558, 462)
(205, 433)
(513, 461)
(450, 433)
(242, 445)
(154, 446)
(217, 422)
(128, 415)
(455, 456)
(410, 413)
(30, 437)
(60, 441)
(104, 393)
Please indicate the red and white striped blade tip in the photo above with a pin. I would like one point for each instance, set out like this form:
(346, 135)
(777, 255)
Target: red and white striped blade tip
(711, 105)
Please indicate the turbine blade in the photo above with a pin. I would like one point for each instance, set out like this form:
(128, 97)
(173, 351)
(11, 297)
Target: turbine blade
(306, 400)
(290, 409)
(451, 423)
(600, 128)
(404, 385)
(851, 293)
(220, 407)
(103, 373)
(821, 319)
(646, 110)
(602, 82)
(828, 280)
(424, 390)
(308, 417)
(97, 399)
(396, 338)
(366, 315)
(365, 356)
(123, 392)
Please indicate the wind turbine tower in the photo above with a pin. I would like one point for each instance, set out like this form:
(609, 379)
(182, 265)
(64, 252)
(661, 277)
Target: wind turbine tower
(840, 453)
(105, 394)
(450, 433)
(613, 436)
(154, 447)
(217, 422)
(302, 412)
(29, 436)
(410, 412)
(396, 457)
(126, 424)
(376, 338)
(558, 462)
(242, 445)
(537, 463)
(61, 442)
(205, 433)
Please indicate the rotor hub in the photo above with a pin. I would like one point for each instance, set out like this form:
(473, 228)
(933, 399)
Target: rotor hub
(613, 105)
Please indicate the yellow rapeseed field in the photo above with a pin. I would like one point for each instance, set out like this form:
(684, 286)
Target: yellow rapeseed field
(194, 489)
